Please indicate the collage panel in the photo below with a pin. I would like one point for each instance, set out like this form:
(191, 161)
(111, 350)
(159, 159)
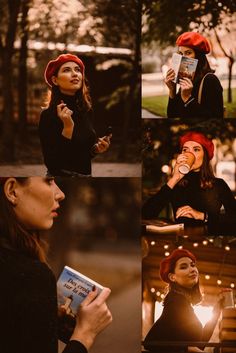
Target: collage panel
(70, 102)
(188, 231)
(48, 224)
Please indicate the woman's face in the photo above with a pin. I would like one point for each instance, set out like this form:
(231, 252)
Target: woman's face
(37, 202)
(69, 78)
(188, 52)
(197, 150)
(185, 273)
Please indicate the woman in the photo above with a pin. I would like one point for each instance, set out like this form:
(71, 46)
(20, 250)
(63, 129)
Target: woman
(196, 197)
(178, 321)
(67, 137)
(28, 307)
(200, 99)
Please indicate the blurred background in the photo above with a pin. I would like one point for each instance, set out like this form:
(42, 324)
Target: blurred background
(162, 22)
(98, 234)
(105, 35)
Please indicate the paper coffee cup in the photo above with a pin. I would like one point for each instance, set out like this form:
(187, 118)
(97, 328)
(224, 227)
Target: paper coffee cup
(228, 297)
(186, 166)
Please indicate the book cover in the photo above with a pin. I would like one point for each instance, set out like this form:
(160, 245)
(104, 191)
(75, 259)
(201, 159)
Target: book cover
(72, 288)
(183, 67)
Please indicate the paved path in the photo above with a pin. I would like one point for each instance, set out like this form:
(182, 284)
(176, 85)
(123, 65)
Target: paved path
(98, 170)
(148, 115)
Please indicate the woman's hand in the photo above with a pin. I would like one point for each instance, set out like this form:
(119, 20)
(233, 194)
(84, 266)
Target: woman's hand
(186, 87)
(170, 75)
(102, 145)
(189, 212)
(93, 317)
(176, 175)
(65, 114)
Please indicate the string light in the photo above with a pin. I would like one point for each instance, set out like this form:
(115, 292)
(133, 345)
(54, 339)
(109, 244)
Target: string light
(195, 245)
(205, 242)
(162, 296)
(232, 285)
(227, 248)
(158, 293)
(219, 282)
(211, 240)
(207, 277)
(167, 253)
(185, 236)
(180, 247)
(153, 243)
(165, 168)
(166, 246)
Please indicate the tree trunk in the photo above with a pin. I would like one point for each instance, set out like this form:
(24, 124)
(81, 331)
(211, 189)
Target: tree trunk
(231, 62)
(133, 101)
(22, 78)
(7, 152)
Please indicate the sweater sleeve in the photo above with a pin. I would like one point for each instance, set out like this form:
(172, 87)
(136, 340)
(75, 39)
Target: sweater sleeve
(153, 206)
(75, 347)
(52, 141)
(226, 220)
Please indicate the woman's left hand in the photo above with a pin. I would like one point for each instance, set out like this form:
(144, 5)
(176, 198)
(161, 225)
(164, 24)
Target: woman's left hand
(186, 87)
(187, 211)
(102, 145)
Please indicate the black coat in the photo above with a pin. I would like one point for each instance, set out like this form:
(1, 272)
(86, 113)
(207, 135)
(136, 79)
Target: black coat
(28, 306)
(178, 322)
(211, 106)
(60, 153)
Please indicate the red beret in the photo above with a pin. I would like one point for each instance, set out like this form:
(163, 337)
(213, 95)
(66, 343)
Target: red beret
(200, 138)
(195, 41)
(169, 262)
(54, 65)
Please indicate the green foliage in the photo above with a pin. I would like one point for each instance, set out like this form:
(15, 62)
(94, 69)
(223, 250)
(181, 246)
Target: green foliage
(158, 104)
(164, 20)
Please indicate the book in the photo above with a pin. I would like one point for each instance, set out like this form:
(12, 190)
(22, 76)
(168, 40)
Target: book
(72, 288)
(160, 226)
(183, 67)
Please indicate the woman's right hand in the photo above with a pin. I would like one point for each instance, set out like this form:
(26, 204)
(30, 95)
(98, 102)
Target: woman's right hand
(170, 75)
(65, 114)
(176, 175)
(93, 317)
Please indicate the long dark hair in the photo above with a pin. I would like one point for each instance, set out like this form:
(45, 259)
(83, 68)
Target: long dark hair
(83, 98)
(203, 66)
(13, 234)
(207, 177)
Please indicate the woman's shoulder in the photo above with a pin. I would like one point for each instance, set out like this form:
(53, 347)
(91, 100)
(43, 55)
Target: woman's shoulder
(211, 79)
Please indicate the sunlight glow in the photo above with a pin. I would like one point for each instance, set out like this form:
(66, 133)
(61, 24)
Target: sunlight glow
(203, 313)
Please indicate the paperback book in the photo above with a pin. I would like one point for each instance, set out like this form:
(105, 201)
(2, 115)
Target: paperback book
(72, 288)
(183, 67)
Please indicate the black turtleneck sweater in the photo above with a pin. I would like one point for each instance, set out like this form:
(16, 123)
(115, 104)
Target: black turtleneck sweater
(207, 201)
(61, 153)
(211, 106)
(28, 306)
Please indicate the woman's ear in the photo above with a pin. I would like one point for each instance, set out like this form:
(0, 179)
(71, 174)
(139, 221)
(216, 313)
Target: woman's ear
(54, 80)
(171, 277)
(10, 190)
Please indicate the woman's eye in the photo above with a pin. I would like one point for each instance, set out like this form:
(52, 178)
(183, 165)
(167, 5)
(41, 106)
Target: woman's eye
(49, 180)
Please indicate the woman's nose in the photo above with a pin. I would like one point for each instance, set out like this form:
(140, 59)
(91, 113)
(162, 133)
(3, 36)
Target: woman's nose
(59, 195)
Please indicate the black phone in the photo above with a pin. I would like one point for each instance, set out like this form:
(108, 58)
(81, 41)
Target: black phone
(108, 131)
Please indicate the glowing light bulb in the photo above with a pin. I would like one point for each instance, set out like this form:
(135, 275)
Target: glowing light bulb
(232, 285)
(166, 246)
(165, 168)
(167, 253)
(219, 282)
(158, 293)
(205, 242)
(153, 290)
(195, 245)
(227, 247)
(153, 243)
(180, 247)
(207, 277)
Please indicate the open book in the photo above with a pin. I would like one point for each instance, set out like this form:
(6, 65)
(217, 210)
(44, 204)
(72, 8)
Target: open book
(183, 67)
(72, 288)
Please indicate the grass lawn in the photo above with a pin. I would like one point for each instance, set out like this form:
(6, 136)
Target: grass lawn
(158, 104)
